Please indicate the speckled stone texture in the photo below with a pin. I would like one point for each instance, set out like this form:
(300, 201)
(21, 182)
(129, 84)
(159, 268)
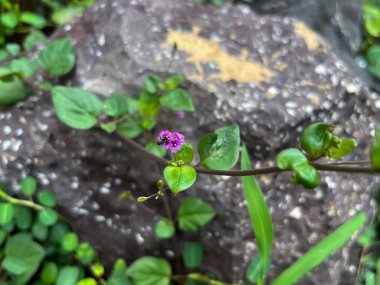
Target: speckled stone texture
(272, 76)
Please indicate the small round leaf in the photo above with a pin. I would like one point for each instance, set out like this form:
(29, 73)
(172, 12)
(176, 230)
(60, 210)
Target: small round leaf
(164, 228)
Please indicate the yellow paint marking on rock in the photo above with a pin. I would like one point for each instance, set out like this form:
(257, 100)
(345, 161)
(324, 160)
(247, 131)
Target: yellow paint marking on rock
(312, 40)
(202, 50)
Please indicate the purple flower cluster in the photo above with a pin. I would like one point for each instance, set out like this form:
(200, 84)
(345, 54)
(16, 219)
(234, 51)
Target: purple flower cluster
(172, 141)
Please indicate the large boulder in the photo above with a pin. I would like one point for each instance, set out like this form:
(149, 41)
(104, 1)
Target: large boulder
(272, 76)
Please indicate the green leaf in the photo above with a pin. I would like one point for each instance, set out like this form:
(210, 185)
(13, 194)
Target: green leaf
(57, 232)
(58, 57)
(148, 104)
(6, 213)
(178, 100)
(48, 216)
(14, 265)
(109, 127)
(192, 254)
(172, 82)
(68, 275)
(97, 269)
(344, 147)
(12, 90)
(158, 150)
(23, 66)
(28, 186)
(13, 48)
(371, 17)
(22, 247)
(368, 237)
(150, 271)
(49, 273)
(150, 85)
(3, 236)
(179, 178)
(40, 231)
(290, 158)
(164, 228)
(220, 150)
(370, 278)
(131, 128)
(9, 20)
(33, 19)
(193, 214)
(76, 107)
(307, 176)
(70, 242)
(375, 150)
(258, 211)
(47, 198)
(119, 274)
(23, 217)
(87, 281)
(321, 251)
(33, 38)
(316, 138)
(85, 253)
(64, 15)
(255, 270)
(116, 105)
(186, 153)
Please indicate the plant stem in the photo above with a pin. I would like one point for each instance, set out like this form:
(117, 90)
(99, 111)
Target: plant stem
(21, 202)
(12, 57)
(197, 277)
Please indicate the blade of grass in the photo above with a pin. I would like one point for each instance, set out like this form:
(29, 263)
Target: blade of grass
(321, 251)
(258, 210)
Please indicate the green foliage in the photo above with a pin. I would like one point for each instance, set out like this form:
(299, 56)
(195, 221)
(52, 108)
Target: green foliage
(37, 247)
(32, 39)
(150, 271)
(259, 214)
(192, 254)
(164, 228)
(179, 178)
(6, 213)
(117, 105)
(316, 138)
(257, 268)
(25, 255)
(12, 90)
(375, 150)
(178, 100)
(290, 158)
(119, 274)
(33, 19)
(185, 154)
(76, 107)
(70, 242)
(342, 148)
(221, 149)
(321, 251)
(305, 174)
(193, 214)
(47, 198)
(58, 57)
(156, 149)
(68, 275)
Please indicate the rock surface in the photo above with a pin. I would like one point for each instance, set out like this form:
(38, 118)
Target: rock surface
(271, 76)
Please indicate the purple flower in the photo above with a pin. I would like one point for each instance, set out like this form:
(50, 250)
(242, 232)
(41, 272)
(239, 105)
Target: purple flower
(176, 142)
(164, 139)
(180, 114)
(172, 141)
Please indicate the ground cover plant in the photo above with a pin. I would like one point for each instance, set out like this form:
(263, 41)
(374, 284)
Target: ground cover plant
(38, 247)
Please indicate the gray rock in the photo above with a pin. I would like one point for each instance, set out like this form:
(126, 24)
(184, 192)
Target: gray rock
(272, 76)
